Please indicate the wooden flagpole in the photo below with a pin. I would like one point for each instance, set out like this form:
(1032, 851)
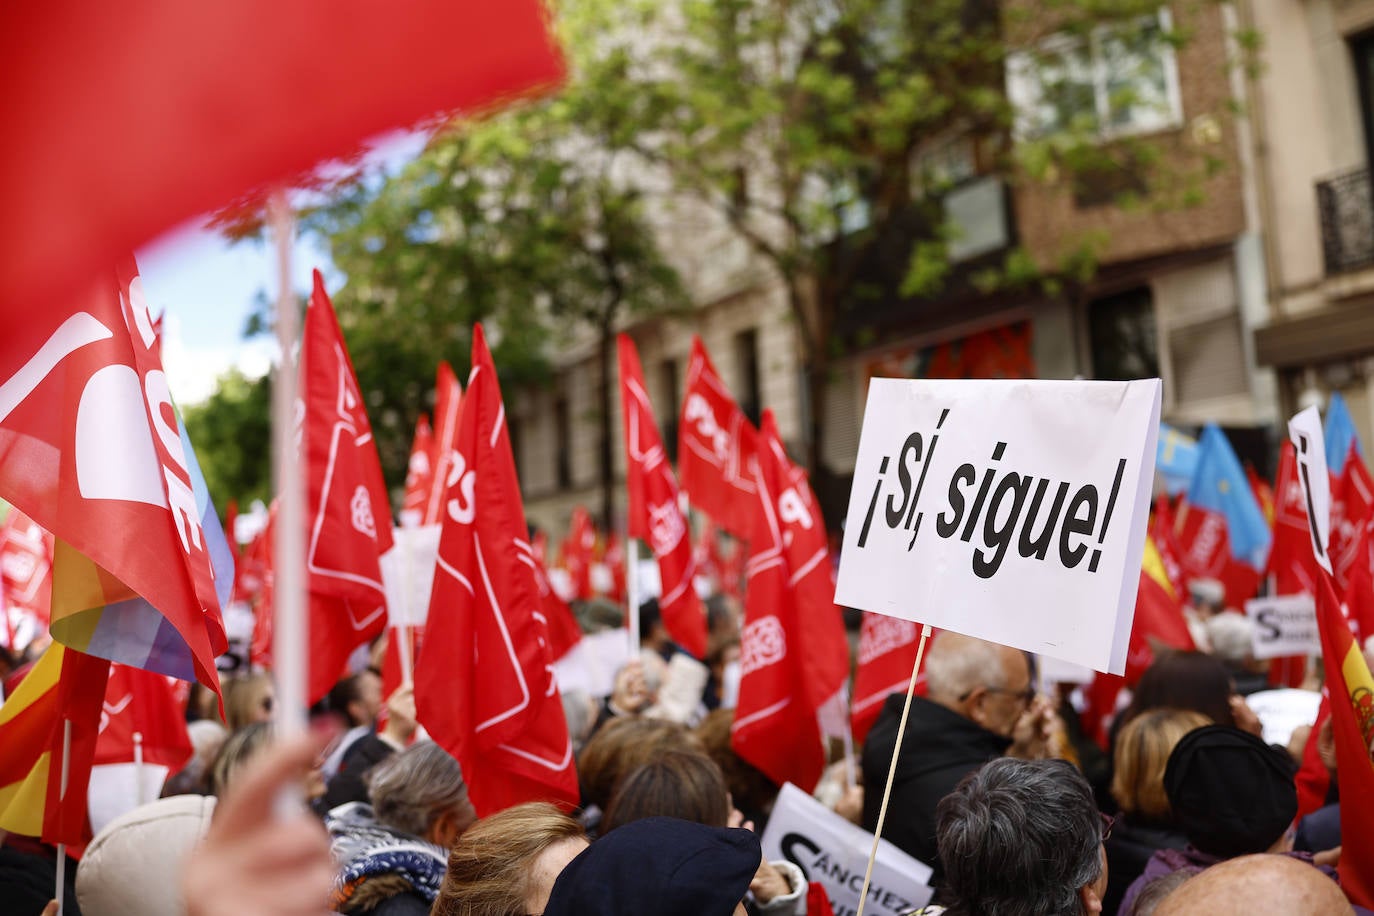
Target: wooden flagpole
(289, 630)
(892, 767)
(138, 768)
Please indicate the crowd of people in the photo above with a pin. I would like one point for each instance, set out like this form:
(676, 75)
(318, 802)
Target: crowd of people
(1190, 808)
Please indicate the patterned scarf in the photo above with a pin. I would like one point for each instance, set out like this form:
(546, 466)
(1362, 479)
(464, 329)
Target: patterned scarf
(365, 849)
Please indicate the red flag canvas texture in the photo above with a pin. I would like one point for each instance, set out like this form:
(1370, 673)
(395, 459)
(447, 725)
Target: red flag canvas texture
(1159, 619)
(349, 522)
(184, 126)
(716, 448)
(654, 514)
(794, 654)
(1170, 554)
(1291, 563)
(64, 686)
(26, 551)
(448, 400)
(1359, 590)
(1351, 690)
(614, 558)
(419, 473)
(90, 448)
(484, 684)
(142, 703)
(1206, 547)
(563, 629)
(887, 653)
(1314, 779)
(1352, 503)
(579, 553)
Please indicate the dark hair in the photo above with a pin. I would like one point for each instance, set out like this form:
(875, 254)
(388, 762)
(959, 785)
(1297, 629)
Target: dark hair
(622, 745)
(1185, 680)
(683, 784)
(649, 617)
(1019, 838)
(347, 691)
(753, 792)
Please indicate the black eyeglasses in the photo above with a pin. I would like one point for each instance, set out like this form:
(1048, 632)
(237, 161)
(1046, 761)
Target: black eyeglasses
(1025, 696)
(1108, 822)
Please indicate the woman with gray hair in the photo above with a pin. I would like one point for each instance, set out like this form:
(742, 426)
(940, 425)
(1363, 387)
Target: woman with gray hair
(391, 854)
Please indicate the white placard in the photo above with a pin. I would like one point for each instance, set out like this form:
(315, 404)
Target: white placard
(408, 574)
(1284, 625)
(834, 852)
(1013, 511)
(1305, 432)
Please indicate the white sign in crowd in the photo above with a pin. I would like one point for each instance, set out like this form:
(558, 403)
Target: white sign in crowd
(1012, 511)
(834, 853)
(1284, 625)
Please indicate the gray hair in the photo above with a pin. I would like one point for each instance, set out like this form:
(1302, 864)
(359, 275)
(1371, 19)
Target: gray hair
(1231, 636)
(412, 788)
(958, 664)
(1019, 838)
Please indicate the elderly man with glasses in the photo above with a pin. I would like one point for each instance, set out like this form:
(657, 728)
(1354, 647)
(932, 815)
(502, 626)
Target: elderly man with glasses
(979, 705)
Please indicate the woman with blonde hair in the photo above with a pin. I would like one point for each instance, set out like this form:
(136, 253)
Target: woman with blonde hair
(1146, 823)
(505, 865)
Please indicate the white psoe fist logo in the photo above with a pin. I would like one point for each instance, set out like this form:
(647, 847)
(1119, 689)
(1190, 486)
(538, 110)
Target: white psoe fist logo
(763, 644)
(361, 506)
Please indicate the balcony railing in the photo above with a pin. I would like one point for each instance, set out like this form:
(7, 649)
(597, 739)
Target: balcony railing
(1346, 206)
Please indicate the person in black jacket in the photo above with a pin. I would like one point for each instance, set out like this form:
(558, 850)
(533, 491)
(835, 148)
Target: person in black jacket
(979, 705)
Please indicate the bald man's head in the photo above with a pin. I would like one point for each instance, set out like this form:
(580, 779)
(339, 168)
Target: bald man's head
(1264, 883)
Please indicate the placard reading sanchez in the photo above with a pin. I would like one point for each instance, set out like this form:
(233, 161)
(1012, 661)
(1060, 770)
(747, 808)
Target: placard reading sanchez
(1013, 511)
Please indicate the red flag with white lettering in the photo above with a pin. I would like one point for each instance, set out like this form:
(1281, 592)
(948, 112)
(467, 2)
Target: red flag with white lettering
(90, 448)
(419, 473)
(349, 520)
(887, 653)
(716, 448)
(579, 552)
(795, 657)
(654, 514)
(1290, 560)
(503, 722)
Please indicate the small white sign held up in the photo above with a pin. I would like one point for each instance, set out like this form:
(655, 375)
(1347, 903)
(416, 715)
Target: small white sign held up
(1284, 625)
(834, 852)
(1013, 511)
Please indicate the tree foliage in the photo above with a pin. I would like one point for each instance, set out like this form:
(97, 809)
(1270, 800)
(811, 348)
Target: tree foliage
(232, 434)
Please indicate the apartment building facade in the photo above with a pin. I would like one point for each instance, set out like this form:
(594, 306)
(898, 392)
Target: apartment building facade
(1181, 289)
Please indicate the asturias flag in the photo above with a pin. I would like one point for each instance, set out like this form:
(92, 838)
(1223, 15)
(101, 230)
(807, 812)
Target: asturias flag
(1222, 529)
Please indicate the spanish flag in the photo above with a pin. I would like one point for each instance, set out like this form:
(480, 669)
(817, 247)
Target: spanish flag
(65, 686)
(1351, 690)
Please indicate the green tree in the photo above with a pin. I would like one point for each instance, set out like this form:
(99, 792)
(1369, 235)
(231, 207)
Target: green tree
(520, 220)
(804, 125)
(232, 434)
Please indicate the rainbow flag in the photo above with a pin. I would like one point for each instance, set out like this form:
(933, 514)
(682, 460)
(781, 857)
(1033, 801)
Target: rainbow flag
(64, 686)
(94, 612)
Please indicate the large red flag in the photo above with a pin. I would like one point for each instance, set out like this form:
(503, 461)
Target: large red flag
(716, 448)
(349, 519)
(654, 514)
(794, 654)
(184, 126)
(887, 653)
(91, 449)
(1351, 690)
(448, 400)
(503, 722)
(419, 473)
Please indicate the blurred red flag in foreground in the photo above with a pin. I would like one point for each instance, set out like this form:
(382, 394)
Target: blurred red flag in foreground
(192, 104)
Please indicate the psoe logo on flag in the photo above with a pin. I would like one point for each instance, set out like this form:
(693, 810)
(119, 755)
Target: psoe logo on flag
(666, 527)
(882, 634)
(700, 413)
(763, 644)
(361, 506)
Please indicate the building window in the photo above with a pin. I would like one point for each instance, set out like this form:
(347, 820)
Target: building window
(1122, 79)
(1121, 331)
(672, 400)
(562, 418)
(747, 358)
